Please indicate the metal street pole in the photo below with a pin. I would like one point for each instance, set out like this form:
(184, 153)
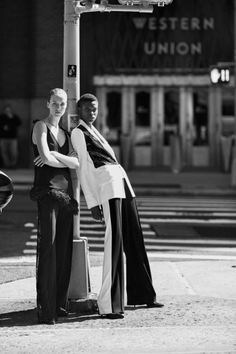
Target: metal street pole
(233, 168)
(71, 82)
(79, 280)
(71, 60)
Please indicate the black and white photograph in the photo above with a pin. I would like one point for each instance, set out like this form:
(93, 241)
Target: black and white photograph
(118, 176)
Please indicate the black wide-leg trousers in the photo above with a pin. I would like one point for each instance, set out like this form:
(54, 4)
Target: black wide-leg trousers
(138, 274)
(124, 233)
(54, 253)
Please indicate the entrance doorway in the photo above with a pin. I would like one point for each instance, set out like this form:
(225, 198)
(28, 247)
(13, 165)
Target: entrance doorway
(171, 123)
(200, 127)
(184, 116)
(142, 128)
(140, 121)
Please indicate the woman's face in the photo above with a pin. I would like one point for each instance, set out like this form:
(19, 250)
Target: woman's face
(88, 112)
(57, 105)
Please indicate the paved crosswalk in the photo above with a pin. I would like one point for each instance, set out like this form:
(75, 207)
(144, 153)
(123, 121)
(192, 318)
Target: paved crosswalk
(171, 225)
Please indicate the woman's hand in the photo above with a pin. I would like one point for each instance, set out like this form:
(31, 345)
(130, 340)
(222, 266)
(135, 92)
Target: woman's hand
(96, 213)
(38, 161)
(73, 154)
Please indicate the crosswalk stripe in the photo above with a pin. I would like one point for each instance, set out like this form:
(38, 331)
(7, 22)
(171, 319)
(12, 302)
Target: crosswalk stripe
(184, 213)
(193, 208)
(149, 248)
(101, 226)
(91, 232)
(160, 242)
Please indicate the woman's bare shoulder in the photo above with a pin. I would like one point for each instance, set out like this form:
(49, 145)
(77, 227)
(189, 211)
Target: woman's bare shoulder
(40, 124)
(39, 128)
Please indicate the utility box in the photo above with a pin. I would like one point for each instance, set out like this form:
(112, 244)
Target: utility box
(79, 287)
(81, 300)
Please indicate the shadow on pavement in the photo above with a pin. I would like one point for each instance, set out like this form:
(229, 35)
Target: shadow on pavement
(18, 318)
(29, 318)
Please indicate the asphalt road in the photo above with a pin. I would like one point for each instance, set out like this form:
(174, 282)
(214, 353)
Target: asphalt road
(19, 213)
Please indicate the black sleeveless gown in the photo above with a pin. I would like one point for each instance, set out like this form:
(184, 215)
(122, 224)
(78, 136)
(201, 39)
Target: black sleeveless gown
(53, 192)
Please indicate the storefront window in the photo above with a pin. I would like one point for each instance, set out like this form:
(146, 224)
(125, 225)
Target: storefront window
(200, 117)
(228, 120)
(171, 115)
(113, 121)
(142, 118)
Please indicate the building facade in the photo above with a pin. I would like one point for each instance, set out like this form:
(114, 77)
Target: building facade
(31, 61)
(149, 71)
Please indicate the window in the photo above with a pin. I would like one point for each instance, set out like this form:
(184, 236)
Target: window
(142, 118)
(200, 116)
(113, 119)
(171, 114)
(228, 120)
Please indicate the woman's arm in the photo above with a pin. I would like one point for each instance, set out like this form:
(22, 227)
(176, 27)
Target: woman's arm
(85, 175)
(45, 155)
(70, 160)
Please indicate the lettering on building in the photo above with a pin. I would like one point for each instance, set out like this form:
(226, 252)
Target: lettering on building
(174, 47)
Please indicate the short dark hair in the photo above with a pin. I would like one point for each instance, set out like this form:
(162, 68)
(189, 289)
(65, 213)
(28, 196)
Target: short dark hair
(87, 97)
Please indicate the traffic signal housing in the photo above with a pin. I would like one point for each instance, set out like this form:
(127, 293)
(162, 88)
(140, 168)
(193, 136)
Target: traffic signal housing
(220, 75)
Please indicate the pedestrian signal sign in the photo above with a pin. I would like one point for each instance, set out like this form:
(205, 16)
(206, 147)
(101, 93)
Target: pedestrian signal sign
(71, 71)
(219, 75)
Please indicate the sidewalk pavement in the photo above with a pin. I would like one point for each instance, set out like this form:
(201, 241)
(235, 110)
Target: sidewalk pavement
(199, 316)
(156, 182)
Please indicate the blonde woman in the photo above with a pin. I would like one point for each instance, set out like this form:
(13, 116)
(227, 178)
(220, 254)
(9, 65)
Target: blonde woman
(53, 192)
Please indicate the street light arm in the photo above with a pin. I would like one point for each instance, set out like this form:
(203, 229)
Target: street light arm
(105, 7)
(143, 6)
